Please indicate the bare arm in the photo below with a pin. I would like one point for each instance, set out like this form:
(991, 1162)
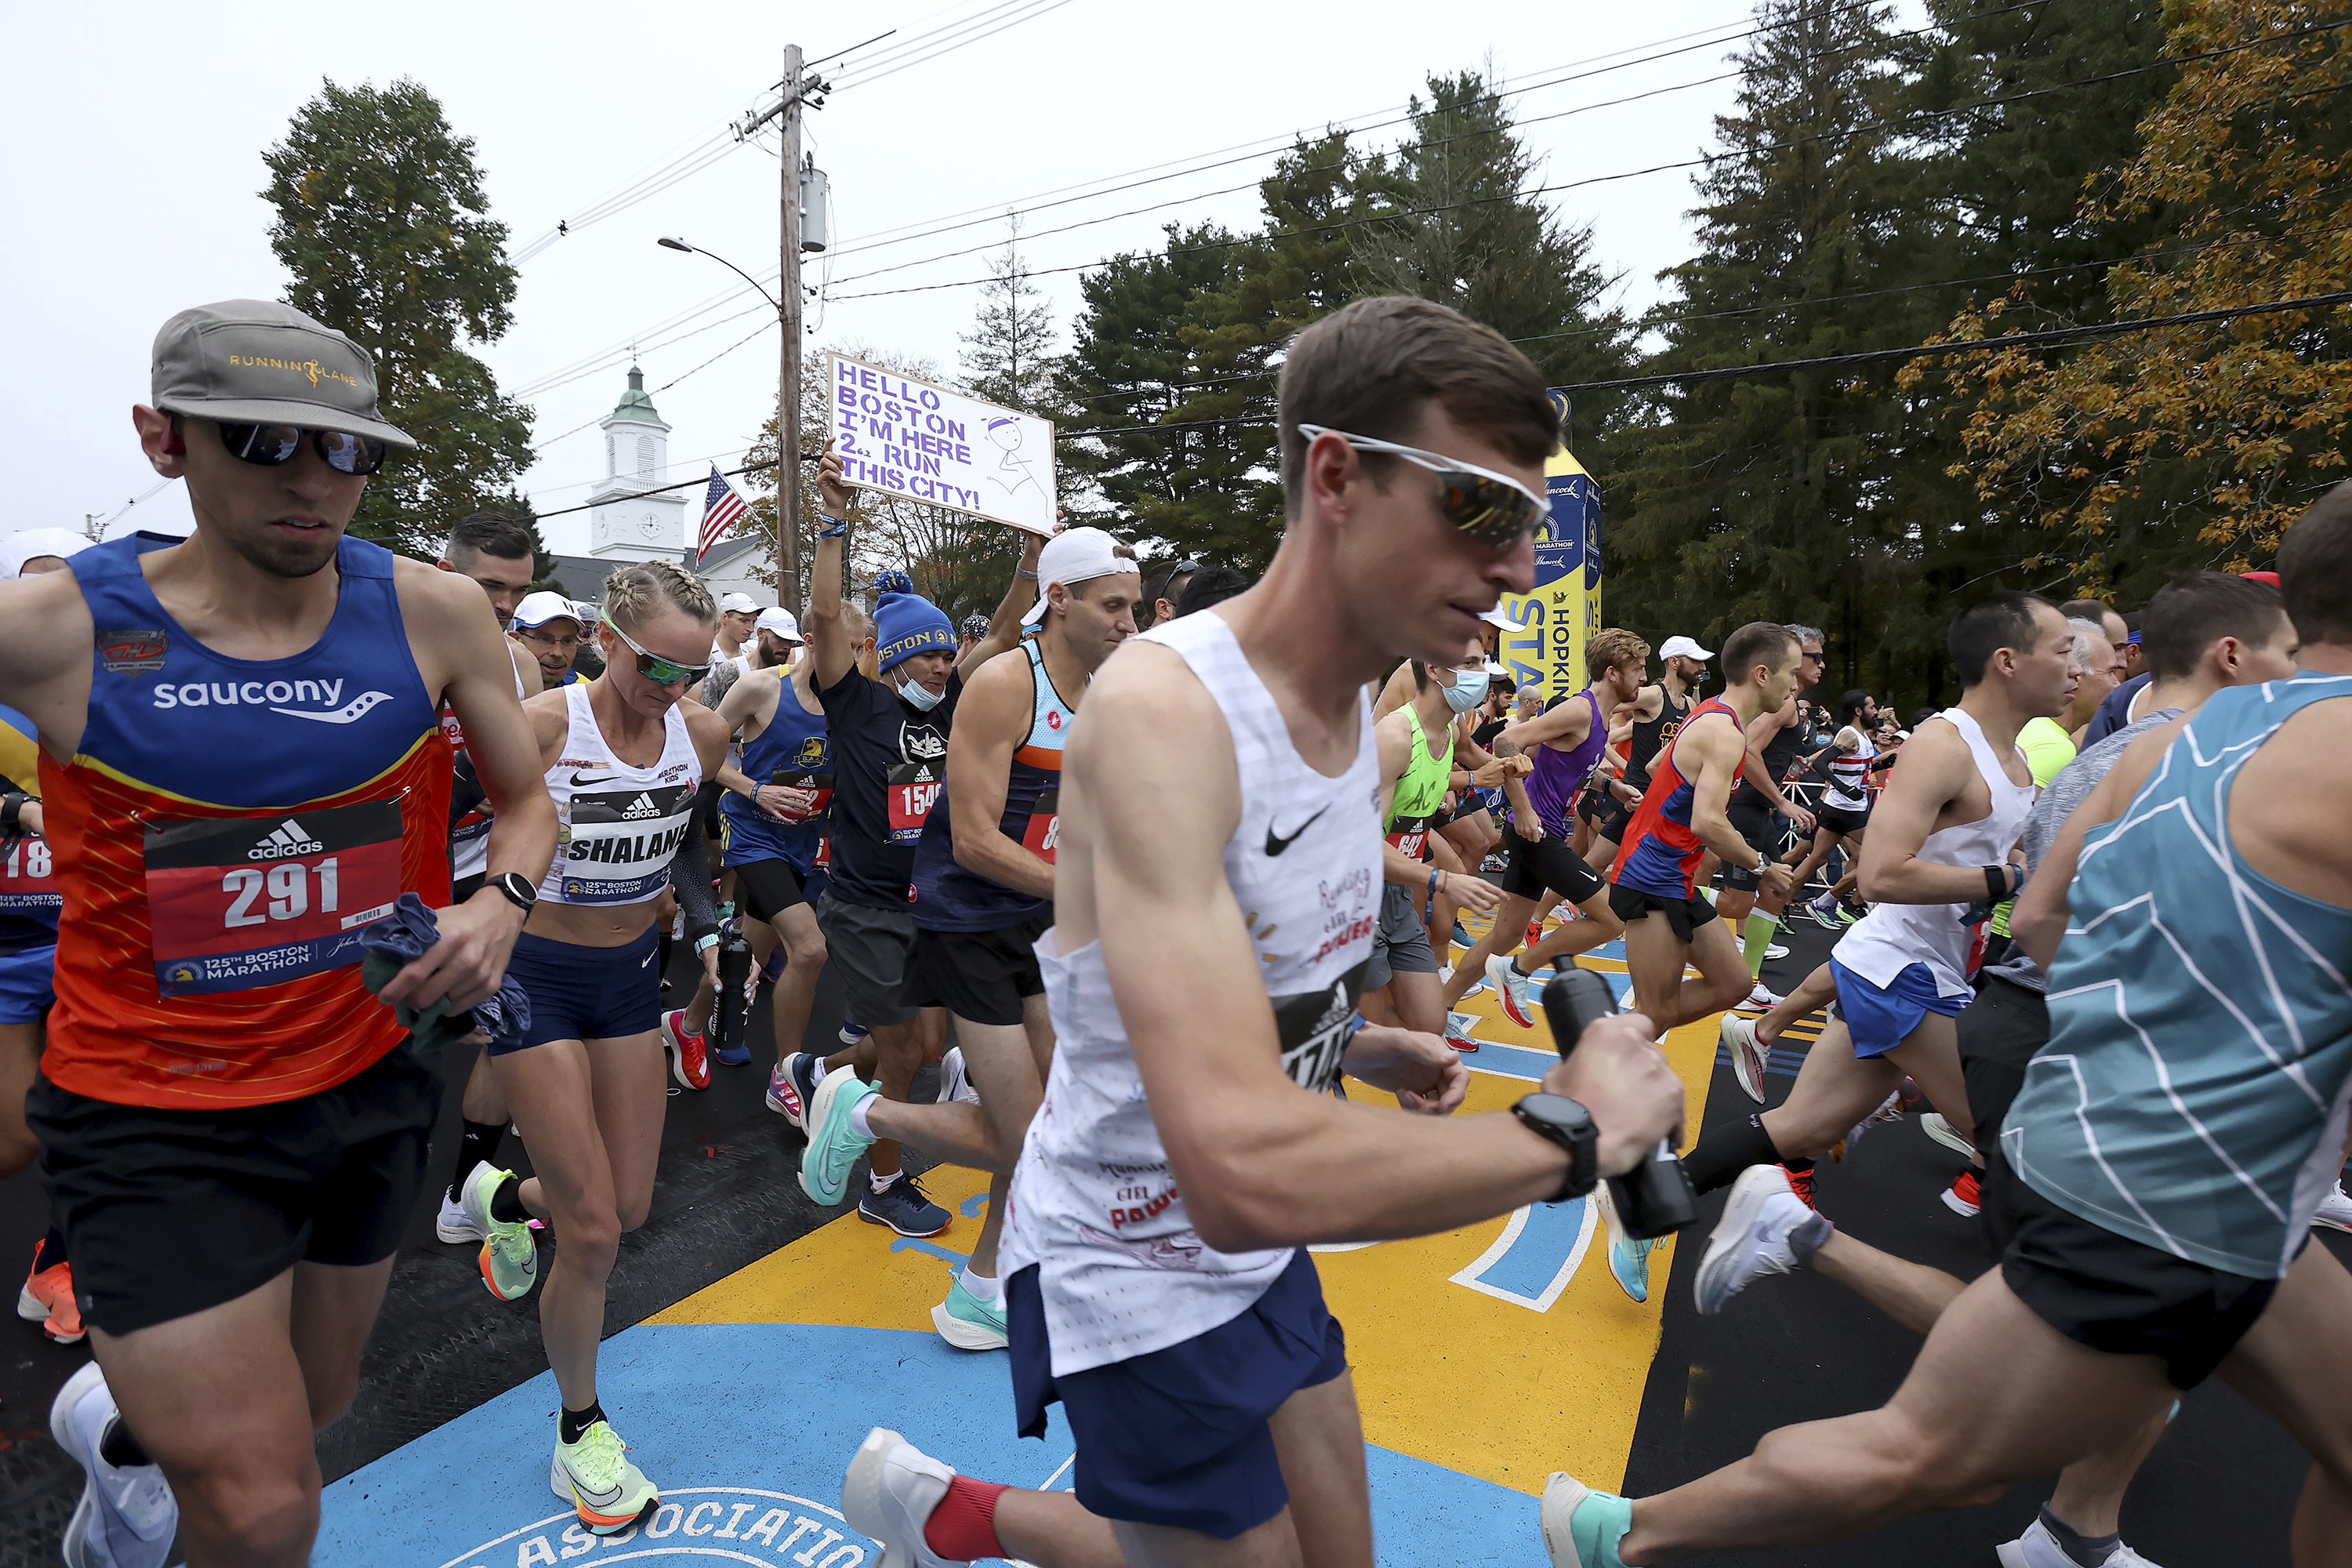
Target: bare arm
(46, 638)
(1709, 756)
(992, 719)
(1004, 625)
(1250, 1149)
(829, 643)
(2038, 921)
(1936, 767)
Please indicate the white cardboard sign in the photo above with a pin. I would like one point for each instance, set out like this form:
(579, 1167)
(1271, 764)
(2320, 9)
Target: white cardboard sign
(907, 438)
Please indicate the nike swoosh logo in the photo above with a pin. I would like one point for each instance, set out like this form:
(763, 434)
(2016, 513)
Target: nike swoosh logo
(645, 960)
(1276, 844)
(604, 1499)
(579, 782)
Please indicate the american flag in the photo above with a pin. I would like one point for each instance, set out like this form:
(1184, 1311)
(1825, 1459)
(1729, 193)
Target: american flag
(721, 509)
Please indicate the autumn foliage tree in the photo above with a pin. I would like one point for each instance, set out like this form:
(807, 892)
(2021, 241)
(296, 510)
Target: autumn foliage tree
(2193, 445)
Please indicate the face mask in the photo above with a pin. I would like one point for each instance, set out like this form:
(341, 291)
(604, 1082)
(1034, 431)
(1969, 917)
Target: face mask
(920, 696)
(1469, 690)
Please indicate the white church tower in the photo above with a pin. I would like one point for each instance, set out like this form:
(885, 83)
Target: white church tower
(626, 523)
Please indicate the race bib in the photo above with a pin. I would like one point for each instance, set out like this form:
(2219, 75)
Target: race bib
(614, 847)
(28, 883)
(912, 789)
(1043, 831)
(823, 853)
(803, 778)
(1313, 1029)
(237, 903)
(1412, 841)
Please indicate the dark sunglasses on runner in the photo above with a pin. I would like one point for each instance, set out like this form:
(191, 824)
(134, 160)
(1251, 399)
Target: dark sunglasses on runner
(272, 445)
(653, 667)
(1493, 509)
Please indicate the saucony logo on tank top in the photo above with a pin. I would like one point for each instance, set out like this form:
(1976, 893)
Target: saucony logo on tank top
(218, 853)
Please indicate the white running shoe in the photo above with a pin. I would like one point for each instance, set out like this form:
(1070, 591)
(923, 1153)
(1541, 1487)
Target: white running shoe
(888, 1495)
(2335, 1210)
(1748, 1055)
(454, 1224)
(1752, 1238)
(1763, 997)
(954, 1082)
(1944, 1132)
(2037, 1548)
(127, 1516)
(1510, 988)
(1775, 951)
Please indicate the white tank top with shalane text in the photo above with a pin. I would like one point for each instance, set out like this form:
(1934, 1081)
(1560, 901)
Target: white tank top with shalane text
(1093, 1203)
(621, 825)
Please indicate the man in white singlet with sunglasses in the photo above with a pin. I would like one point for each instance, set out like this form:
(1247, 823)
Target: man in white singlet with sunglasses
(1219, 820)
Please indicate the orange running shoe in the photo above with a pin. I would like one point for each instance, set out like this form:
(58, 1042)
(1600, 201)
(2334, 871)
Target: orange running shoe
(47, 1299)
(1802, 1183)
(1965, 1195)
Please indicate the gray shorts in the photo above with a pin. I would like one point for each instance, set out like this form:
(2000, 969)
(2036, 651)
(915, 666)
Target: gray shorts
(873, 952)
(1402, 943)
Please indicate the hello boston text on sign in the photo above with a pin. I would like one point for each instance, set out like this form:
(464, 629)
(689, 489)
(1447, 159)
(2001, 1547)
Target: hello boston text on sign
(907, 438)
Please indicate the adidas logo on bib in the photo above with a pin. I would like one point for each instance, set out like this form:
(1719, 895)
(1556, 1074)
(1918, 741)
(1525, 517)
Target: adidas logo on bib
(289, 838)
(642, 807)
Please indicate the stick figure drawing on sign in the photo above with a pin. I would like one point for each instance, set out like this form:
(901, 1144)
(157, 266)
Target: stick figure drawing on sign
(1012, 473)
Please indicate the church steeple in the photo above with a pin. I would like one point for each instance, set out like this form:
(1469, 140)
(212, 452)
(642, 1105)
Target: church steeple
(635, 406)
(627, 520)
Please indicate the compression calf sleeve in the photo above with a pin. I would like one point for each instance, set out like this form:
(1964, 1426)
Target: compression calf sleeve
(689, 875)
(963, 1526)
(1722, 1152)
(1759, 929)
(477, 1144)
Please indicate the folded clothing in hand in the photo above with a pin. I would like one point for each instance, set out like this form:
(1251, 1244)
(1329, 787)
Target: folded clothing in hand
(399, 940)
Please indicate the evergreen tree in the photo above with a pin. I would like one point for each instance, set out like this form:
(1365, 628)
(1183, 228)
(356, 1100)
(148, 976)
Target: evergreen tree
(382, 224)
(1008, 356)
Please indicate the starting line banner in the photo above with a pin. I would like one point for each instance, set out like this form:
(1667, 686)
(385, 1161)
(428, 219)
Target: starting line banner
(907, 438)
(1548, 656)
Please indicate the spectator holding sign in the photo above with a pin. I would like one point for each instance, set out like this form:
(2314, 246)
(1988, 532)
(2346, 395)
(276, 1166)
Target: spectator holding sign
(889, 734)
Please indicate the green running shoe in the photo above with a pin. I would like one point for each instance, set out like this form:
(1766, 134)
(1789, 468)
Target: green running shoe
(833, 1145)
(509, 1259)
(596, 1477)
(969, 1324)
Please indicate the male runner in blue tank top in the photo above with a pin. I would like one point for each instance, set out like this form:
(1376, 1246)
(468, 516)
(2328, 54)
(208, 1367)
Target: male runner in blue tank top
(984, 894)
(233, 1132)
(2154, 1178)
(1215, 898)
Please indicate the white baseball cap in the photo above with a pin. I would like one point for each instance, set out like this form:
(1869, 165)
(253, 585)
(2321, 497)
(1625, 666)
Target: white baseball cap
(1683, 648)
(1077, 555)
(736, 605)
(538, 609)
(778, 620)
(1499, 616)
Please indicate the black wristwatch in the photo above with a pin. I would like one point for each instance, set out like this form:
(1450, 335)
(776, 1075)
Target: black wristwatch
(1566, 1123)
(516, 890)
(12, 813)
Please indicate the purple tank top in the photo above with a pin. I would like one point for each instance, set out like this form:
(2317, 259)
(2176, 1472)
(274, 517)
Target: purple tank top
(1553, 784)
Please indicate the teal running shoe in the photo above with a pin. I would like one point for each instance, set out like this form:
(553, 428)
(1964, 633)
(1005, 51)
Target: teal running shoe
(833, 1145)
(969, 1324)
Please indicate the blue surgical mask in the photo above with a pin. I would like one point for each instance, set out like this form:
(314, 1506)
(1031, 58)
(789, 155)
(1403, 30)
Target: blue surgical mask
(921, 696)
(1468, 690)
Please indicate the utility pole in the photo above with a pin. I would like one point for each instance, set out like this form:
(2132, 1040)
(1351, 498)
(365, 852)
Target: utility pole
(788, 388)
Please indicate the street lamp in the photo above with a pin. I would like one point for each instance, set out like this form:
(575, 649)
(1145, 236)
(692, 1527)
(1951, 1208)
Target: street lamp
(788, 565)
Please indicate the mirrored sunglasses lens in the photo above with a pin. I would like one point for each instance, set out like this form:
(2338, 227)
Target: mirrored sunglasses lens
(661, 671)
(1495, 514)
(349, 454)
(268, 445)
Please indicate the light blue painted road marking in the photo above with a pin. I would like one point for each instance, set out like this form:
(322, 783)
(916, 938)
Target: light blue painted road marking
(1534, 1258)
(916, 1244)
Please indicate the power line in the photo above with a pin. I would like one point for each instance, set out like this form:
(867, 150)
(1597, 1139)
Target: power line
(1033, 9)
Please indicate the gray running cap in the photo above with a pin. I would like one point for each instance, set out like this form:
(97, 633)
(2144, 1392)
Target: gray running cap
(259, 362)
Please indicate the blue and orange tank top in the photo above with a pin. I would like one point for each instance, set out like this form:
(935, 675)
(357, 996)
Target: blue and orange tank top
(1661, 854)
(222, 835)
(949, 898)
(796, 752)
(29, 900)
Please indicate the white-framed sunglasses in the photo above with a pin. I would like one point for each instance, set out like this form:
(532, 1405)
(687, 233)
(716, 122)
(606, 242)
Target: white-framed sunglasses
(1493, 509)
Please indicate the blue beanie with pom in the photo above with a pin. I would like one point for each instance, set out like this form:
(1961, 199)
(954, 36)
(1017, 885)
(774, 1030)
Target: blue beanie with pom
(906, 624)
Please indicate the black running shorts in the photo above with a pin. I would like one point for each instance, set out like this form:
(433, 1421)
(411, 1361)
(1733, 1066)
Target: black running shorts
(981, 975)
(1838, 819)
(1608, 816)
(2000, 1032)
(1752, 817)
(2108, 1292)
(1684, 915)
(167, 1213)
(1547, 862)
(767, 887)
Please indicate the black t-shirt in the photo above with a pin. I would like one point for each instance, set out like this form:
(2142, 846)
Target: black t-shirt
(889, 762)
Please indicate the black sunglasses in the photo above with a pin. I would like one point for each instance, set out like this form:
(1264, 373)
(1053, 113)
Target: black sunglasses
(273, 445)
(1493, 509)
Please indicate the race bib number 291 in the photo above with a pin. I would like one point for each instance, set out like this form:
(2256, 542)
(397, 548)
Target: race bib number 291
(236, 903)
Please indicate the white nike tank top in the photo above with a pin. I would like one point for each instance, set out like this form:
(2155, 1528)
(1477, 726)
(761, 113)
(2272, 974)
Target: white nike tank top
(1093, 1204)
(621, 825)
(1892, 937)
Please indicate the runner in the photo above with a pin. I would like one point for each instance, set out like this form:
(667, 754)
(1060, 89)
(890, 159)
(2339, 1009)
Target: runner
(549, 626)
(1756, 811)
(1167, 588)
(2206, 632)
(623, 758)
(983, 895)
(1565, 742)
(1844, 814)
(738, 616)
(29, 906)
(247, 752)
(1219, 819)
(2156, 1173)
(1657, 715)
(889, 737)
(969, 631)
(1949, 820)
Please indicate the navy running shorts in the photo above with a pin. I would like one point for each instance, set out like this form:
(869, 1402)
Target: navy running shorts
(984, 976)
(579, 992)
(1178, 1437)
(27, 983)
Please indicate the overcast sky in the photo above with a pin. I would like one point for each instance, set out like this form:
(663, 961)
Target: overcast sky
(141, 131)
